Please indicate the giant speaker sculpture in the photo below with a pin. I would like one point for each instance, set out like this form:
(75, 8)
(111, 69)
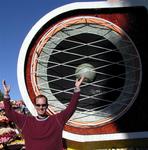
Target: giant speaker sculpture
(110, 39)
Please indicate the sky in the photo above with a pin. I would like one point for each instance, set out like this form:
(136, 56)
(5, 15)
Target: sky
(17, 17)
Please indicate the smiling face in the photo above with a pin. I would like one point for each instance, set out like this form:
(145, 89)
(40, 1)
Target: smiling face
(41, 105)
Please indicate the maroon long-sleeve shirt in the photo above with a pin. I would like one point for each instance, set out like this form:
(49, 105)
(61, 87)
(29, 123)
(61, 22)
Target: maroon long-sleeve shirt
(42, 134)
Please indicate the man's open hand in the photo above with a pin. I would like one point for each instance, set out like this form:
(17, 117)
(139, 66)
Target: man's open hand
(6, 88)
(79, 82)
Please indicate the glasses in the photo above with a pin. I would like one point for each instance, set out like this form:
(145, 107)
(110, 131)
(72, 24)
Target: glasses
(43, 105)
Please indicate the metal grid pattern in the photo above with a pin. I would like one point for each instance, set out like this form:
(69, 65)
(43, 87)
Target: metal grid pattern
(103, 45)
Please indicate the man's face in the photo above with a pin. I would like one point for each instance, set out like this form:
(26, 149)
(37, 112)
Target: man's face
(41, 106)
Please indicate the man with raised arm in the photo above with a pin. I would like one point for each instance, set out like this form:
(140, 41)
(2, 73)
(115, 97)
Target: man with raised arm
(42, 132)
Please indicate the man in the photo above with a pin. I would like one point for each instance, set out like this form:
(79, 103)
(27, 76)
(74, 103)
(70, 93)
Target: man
(42, 132)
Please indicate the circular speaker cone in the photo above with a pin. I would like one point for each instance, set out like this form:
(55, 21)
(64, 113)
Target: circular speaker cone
(57, 55)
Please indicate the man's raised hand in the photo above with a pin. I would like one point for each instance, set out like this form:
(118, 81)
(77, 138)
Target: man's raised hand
(6, 88)
(79, 82)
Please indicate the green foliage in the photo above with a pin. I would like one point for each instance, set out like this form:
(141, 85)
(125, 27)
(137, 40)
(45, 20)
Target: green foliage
(1, 96)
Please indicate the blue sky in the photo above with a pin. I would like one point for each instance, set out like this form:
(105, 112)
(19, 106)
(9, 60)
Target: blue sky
(16, 19)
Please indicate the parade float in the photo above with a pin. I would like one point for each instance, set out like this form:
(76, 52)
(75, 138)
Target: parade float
(111, 38)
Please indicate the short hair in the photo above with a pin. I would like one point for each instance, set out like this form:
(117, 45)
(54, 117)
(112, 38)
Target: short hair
(40, 96)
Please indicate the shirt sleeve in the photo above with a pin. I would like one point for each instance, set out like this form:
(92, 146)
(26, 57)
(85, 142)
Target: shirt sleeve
(65, 115)
(17, 118)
